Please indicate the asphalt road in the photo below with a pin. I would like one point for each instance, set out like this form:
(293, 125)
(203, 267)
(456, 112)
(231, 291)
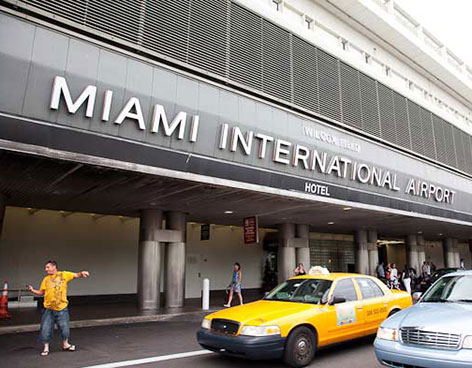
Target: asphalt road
(101, 345)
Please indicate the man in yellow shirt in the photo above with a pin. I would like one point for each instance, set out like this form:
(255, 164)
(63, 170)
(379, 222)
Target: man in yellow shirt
(54, 290)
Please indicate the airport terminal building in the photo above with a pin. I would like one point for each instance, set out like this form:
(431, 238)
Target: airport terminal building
(155, 143)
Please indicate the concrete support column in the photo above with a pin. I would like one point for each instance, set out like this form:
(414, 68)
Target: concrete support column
(175, 261)
(411, 253)
(2, 213)
(421, 251)
(457, 255)
(362, 252)
(149, 261)
(286, 253)
(373, 251)
(302, 253)
(449, 257)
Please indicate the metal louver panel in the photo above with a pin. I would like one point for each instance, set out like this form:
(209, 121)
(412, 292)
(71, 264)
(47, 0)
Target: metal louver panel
(74, 10)
(305, 75)
(335, 254)
(166, 27)
(467, 141)
(428, 134)
(225, 38)
(401, 120)
(459, 149)
(350, 96)
(370, 108)
(416, 128)
(120, 18)
(328, 76)
(208, 35)
(387, 114)
(245, 47)
(276, 61)
(449, 140)
(439, 138)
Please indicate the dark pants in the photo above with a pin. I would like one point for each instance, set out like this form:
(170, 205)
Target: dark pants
(51, 317)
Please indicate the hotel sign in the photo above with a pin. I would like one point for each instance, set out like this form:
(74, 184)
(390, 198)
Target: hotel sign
(312, 162)
(251, 230)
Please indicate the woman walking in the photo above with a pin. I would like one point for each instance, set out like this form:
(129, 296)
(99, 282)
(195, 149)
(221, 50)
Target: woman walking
(236, 280)
(406, 278)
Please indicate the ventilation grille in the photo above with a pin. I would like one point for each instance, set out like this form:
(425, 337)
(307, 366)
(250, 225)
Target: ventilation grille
(230, 41)
(351, 96)
(305, 75)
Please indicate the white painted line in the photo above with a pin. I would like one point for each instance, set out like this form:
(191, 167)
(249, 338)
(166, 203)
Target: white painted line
(127, 363)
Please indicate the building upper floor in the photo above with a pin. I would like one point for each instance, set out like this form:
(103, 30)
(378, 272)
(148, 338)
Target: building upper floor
(382, 40)
(254, 47)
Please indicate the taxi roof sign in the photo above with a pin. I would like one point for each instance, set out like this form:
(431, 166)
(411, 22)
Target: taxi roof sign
(318, 270)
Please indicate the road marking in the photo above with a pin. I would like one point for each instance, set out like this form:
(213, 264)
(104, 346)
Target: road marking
(127, 363)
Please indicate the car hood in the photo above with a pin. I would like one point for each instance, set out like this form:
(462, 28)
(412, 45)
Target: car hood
(264, 312)
(438, 317)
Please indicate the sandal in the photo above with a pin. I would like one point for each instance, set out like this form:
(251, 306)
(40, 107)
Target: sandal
(45, 353)
(69, 348)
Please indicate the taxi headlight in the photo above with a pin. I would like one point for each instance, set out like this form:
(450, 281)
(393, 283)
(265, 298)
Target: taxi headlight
(206, 324)
(467, 343)
(390, 334)
(260, 330)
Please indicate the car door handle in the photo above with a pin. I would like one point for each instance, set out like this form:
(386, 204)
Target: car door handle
(359, 308)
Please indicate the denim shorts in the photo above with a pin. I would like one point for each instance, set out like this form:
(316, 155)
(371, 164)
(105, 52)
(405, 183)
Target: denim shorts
(49, 318)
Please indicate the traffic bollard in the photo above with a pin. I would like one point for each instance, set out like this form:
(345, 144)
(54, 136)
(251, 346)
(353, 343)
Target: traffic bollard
(206, 294)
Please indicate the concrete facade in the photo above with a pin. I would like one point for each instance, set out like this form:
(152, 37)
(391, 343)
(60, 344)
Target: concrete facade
(68, 98)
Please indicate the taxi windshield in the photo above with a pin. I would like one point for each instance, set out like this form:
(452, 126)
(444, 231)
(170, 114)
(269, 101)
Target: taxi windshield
(450, 289)
(313, 291)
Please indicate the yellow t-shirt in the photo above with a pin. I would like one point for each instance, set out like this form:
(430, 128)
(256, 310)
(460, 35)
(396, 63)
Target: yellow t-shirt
(55, 290)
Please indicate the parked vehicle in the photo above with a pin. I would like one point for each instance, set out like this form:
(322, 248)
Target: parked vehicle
(426, 283)
(436, 332)
(301, 315)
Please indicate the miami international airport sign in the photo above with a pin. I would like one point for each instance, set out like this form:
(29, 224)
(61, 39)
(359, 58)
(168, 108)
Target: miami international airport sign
(232, 138)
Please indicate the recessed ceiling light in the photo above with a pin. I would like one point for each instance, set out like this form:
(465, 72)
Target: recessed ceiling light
(229, 212)
(440, 234)
(347, 208)
(331, 223)
(420, 232)
(152, 203)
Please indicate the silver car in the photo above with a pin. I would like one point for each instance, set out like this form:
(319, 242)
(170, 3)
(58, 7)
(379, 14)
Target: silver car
(436, 332)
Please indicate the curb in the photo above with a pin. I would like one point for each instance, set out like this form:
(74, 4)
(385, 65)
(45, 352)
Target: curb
(111, 321)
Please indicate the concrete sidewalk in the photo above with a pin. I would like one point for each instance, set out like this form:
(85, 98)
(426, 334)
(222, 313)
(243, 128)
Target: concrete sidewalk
(27, 320)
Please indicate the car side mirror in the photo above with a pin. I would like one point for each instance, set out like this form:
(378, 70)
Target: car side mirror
(416, 296)
(337, 300)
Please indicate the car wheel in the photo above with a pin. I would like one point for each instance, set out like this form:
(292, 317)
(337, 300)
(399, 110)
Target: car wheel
(300, 347)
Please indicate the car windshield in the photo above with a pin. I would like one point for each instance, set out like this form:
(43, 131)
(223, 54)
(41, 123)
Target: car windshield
(450, 289)
(313, 291)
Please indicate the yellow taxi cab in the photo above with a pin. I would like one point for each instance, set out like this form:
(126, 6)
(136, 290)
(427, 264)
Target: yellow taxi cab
(301, 315)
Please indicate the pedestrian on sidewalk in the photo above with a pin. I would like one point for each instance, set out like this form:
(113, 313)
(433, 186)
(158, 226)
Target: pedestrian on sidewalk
(54, 289)
(236, 280)
(299, 270)
(406, 278)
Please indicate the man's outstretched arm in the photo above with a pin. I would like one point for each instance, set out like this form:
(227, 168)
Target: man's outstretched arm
(82, 274)
(34, 291)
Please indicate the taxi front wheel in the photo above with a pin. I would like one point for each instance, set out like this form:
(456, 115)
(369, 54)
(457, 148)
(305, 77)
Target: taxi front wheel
(300, 347)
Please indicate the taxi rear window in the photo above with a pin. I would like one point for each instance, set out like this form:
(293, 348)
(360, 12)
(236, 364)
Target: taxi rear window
(369, 289)
(301, 290)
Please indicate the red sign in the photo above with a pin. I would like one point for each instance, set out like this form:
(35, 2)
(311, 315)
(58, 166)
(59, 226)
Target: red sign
(251, 230)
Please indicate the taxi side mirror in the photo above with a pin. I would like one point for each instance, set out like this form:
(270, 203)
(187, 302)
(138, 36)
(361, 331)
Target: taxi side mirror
(337, 300)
